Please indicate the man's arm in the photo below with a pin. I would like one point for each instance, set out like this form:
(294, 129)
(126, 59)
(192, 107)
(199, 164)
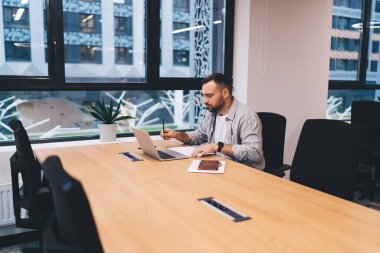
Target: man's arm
(250, 150)
(199, 136)
(212, 148)
(195, 137)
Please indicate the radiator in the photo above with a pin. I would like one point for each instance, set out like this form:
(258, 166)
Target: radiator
(6, 205)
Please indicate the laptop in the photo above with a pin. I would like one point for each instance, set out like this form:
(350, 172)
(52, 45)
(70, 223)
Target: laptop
(148, 147)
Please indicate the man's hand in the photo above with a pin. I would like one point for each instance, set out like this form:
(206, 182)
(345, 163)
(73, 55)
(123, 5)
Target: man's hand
(205, 149)
(168, 133)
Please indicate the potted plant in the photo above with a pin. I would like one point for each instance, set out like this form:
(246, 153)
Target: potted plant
(107, 117)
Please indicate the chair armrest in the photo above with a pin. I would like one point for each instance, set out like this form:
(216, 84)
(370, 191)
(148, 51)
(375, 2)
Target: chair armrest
(281, 168)
(278, 171)
(285, 167)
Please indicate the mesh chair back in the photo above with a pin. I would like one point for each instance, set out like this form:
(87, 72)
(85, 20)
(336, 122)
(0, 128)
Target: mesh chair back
(24, 162)
(72, 226)
(29, 167)
(273, 133)
(325, 157)
(365, 116)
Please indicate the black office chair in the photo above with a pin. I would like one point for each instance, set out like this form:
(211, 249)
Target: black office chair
(34, 194)
(273, 133)
(365, 116)
(325, 157)
(71, 228)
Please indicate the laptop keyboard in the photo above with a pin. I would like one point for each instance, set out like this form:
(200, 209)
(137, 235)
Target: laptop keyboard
(164, 155)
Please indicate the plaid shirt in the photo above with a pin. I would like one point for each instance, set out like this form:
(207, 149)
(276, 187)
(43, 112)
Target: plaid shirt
(243, 133)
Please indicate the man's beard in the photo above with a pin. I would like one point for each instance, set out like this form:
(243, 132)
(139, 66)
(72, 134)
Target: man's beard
(215, 108)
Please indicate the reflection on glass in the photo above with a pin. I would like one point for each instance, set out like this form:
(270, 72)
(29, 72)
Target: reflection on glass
(345, 40)
(104, 41)
(23, 48)
(192, 38)
(62, 114)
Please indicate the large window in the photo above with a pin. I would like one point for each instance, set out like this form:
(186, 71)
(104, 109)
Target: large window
(354, 68)
(56, 58)
(345, 41)
(22, 52)
(192, 32)
(102, 30)
(115, 43)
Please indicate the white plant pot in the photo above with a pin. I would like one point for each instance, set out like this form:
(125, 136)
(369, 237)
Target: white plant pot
(107, 132)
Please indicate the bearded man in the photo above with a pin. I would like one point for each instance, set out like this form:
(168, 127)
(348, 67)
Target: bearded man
(230, 128)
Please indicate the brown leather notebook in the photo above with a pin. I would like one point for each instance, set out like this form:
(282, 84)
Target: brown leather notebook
(208, 165)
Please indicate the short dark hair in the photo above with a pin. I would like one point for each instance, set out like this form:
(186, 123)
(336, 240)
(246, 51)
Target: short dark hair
(219, 79)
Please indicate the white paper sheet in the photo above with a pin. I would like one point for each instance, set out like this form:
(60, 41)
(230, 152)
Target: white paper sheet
(195, 164)
(187, 150)
(184, 150)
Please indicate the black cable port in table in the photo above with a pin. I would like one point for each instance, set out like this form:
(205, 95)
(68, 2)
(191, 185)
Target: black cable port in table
(132, 157)
(224, 209)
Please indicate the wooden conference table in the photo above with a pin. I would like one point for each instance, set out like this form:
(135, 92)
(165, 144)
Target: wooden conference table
(152, 206)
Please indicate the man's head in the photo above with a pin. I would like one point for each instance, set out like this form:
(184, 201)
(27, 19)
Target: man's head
(216, 92)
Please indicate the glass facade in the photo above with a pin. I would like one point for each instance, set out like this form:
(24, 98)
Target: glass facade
(23, 52)
(373, 72)
(192, 36)
(105, 42)
(345, 39)
(62, 114)
(345, 54)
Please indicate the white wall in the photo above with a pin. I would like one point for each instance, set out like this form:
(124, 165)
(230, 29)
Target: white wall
(287, 64)
(241, 61)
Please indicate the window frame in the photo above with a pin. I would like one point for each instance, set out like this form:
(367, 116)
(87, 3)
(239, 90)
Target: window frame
(56, 61)
(360, 83)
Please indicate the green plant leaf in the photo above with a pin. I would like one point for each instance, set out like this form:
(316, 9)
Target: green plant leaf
(106, 113)
(123, 118)
(95, 112)
(111, 110)
(117, 112)
(114, 116)
(97, 116)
